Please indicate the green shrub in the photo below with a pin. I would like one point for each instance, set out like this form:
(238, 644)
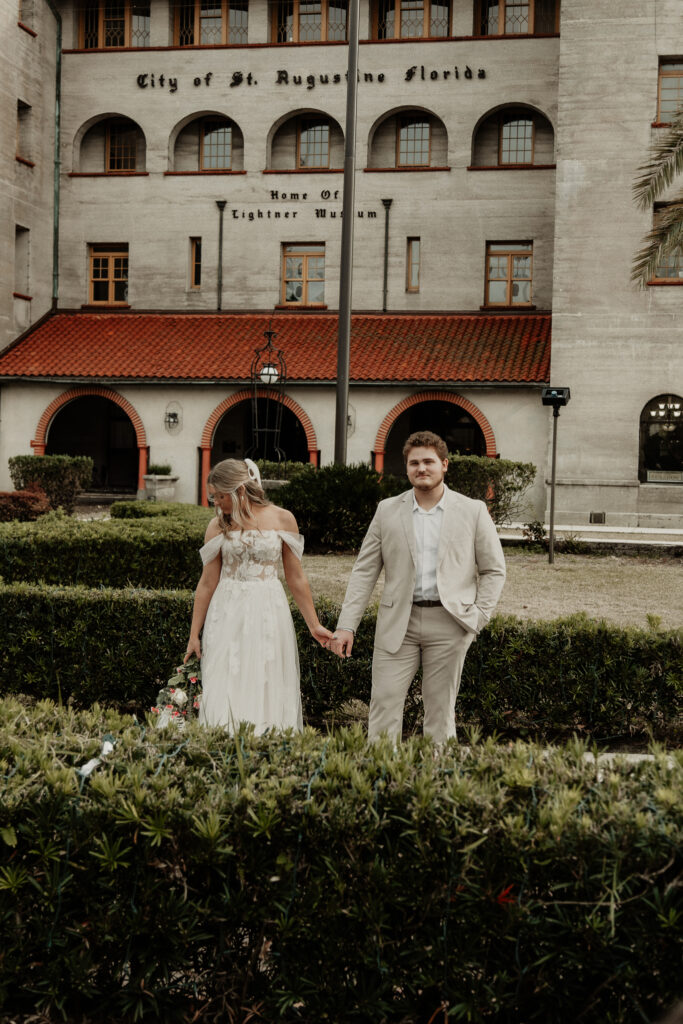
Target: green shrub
(501, 483)
(310, 878)
(23, 506)
(196, 514)
(62, 477)
(334, 505)
(158, 551)
(544, 679)
(284, 470)
(159, 469)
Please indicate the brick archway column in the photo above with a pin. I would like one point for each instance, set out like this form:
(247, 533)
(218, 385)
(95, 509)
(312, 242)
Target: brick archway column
(39, 442)
(431, 396)
(243, 396)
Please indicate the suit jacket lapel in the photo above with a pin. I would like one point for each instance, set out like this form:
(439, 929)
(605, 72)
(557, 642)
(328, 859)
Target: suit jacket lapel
(449, 525)
(407, 523)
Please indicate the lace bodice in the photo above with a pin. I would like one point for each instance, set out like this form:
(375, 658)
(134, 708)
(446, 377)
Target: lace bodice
(251, 555)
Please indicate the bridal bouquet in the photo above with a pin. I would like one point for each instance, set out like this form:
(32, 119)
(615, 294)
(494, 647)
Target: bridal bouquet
(180, 698)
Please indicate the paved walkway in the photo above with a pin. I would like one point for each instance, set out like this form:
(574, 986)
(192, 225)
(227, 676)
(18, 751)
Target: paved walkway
(639, 536)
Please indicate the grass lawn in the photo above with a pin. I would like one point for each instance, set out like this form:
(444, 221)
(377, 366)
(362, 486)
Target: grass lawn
(621, 589)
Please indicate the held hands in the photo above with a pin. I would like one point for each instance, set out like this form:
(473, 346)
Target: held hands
(322, 635)
(342, 643)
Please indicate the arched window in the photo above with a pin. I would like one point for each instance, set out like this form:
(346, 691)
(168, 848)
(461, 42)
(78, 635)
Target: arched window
(115, 145)
(211, 144)
(661, 440)
(307, 142)
(409, 140)
(514, 137)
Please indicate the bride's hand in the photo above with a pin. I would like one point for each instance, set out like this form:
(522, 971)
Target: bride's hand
(193, 648)
(322, 635)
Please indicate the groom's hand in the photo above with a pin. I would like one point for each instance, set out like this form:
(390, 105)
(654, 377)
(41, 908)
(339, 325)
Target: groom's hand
(342, 643)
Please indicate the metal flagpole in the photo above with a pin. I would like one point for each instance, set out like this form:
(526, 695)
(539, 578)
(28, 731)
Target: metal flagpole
(346, 269)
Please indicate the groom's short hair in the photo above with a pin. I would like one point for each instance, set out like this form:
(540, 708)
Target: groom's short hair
(425, 439)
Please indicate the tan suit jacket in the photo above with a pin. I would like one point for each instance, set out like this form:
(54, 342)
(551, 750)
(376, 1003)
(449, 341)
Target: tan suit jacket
(470, 567)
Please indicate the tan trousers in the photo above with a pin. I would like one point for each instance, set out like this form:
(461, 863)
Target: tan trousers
(435, 640)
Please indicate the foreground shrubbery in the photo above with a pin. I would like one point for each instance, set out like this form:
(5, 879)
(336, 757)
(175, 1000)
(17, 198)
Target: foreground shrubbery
(310, 878)
(546, 678)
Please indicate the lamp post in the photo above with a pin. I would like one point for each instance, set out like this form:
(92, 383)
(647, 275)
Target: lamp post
(268, 373)
(555, 397)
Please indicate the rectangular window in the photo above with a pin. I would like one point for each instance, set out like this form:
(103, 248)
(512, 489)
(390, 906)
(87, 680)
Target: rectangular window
(313, 148)
(412, 143)
(516, 141)
(24, 147)
(309, 21)
(210, 22)
(111, 24)
(108, 275)
(195, 263)
(517, 17)
(508, 273)
(22, 238)
(26, 13)
(216, 146)
(413, 265)
(671, 267)
(121, 146)
(303, 274)
(670, 89)
(411, 19)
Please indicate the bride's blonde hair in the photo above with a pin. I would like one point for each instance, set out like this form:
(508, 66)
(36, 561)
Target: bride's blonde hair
(230, 477)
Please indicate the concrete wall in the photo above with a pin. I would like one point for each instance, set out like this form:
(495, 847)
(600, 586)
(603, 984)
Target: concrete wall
(27, 76)
(617, 346)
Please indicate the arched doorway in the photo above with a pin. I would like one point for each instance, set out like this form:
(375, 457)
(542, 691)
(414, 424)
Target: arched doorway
(98, 427)
(452, 422)
(233, 437)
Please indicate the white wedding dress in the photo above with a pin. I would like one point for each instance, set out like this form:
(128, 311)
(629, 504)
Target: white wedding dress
(250, 662)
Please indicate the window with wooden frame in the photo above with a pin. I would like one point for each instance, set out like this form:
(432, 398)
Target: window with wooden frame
(195, 263)
(120, 146)
(411, 19)
(312, 143)
(308, 21)
(671, 267)
(508, 273)
(670, 93)
(211, 22)
(215, 145)
(109, 24)
(303, 274)
(516, 17)
(515, 140)
(413, 265)
(108, 275)
(413, 138)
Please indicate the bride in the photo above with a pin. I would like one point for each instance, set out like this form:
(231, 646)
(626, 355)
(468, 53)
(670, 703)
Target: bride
(250, 663)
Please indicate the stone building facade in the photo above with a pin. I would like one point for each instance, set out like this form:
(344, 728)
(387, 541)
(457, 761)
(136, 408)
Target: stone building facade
(198, 204)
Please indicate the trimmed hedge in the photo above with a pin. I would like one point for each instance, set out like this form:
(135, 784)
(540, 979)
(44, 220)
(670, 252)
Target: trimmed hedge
(197, 515)
(540, 678)
(62, 477)
(310, 878)
(159, 550)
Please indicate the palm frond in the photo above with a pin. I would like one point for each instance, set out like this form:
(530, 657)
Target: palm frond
(664, 164)
(665, 239)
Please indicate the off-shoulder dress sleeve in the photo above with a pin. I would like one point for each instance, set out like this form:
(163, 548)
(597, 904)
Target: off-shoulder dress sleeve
(294, 541)
(212, 548)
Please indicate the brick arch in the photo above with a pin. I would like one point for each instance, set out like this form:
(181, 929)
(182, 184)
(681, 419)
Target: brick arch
(431, 396)
(243, 396)
(39, 443)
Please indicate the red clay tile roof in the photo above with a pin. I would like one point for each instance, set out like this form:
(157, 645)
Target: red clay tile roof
(220, 346)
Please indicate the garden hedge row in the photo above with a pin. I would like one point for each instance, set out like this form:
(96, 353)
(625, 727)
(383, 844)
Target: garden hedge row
(310, 878)
(542, 677)
(160, 550)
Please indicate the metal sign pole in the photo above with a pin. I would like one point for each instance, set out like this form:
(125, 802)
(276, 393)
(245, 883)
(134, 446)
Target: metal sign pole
(346, 269)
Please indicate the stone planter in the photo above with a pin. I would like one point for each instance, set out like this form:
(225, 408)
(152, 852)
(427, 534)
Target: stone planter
(160, 488)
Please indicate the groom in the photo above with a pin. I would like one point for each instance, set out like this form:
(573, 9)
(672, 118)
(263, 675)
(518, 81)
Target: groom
(444, 572)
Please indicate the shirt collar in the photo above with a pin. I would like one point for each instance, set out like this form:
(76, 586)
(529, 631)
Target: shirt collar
(441, 503)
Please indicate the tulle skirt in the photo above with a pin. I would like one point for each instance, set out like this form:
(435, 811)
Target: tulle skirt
(250, 662)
